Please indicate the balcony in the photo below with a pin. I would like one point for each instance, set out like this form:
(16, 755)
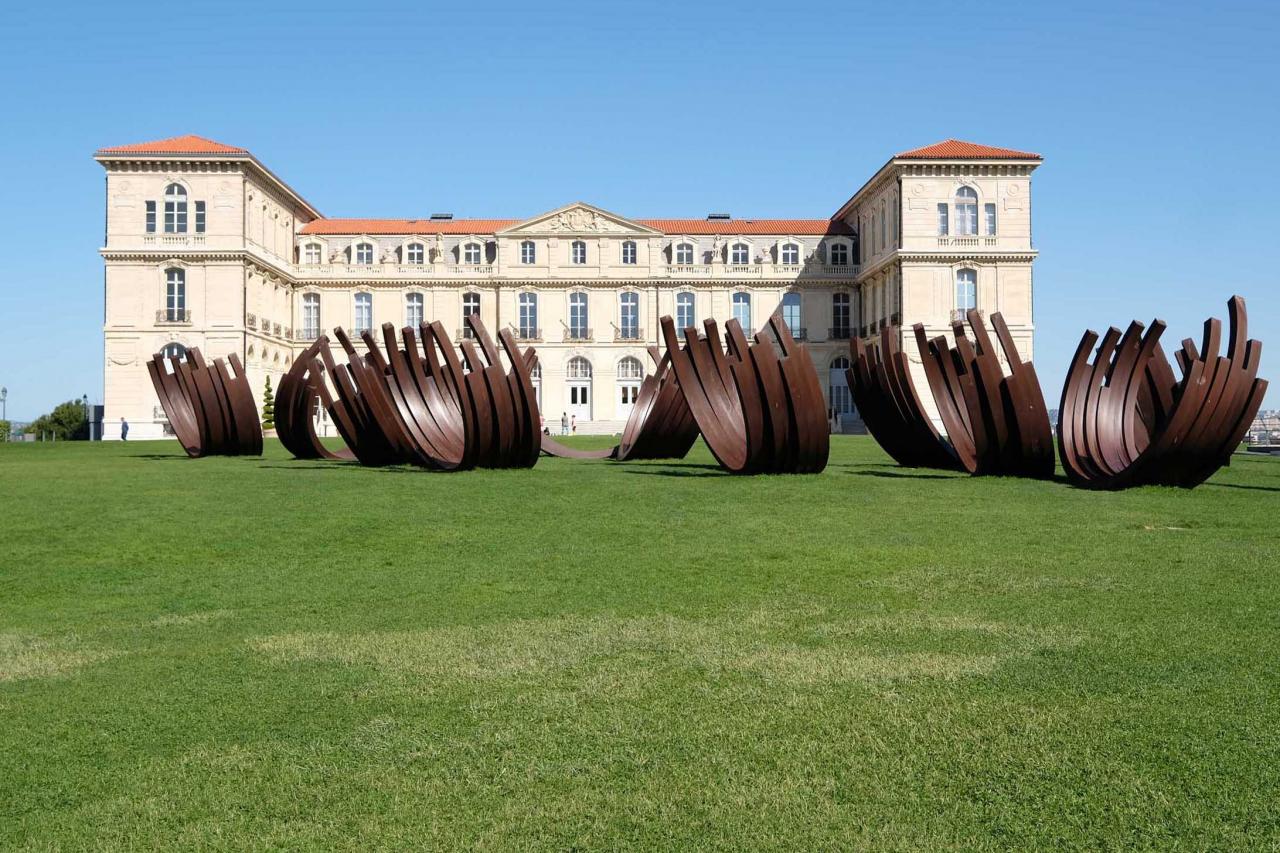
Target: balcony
(172, 241)
(761, 271)
(577, 335)
(631, 334)
(800, 333)
(959, 315)
(838, 333)
(528, 334)
(173, 317)
(968, 242)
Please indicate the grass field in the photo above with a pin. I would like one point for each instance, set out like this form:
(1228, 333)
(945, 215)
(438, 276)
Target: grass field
(273, 653)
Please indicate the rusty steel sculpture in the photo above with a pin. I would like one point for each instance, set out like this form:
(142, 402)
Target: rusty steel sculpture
(660, 425)
(995, 424)
(209, 406)
(1127, 420)
(419, 402)
(302, 390)
(758, 406)
(885, 396)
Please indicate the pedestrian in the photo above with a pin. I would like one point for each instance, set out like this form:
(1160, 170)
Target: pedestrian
(575, 424)
(564, 423)
(124, 430)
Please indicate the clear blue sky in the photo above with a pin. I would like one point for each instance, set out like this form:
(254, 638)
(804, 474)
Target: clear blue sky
(1159, 122)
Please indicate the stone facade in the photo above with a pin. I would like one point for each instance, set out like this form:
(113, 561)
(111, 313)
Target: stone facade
(206, 247)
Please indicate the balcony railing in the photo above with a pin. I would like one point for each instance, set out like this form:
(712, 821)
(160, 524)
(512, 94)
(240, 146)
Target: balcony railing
(527, 334)
(959, 315)
(309, 334)
(577, 335)
(967, 242)
(173, 316)
(800, 333)
(173, 240)
(464, 334)
(838, 333)
(630, 334)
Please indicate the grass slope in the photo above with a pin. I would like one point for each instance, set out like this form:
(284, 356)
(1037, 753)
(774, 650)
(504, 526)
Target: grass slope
(273, 653)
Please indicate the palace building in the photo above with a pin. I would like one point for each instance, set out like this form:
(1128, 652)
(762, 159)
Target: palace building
(207, 247)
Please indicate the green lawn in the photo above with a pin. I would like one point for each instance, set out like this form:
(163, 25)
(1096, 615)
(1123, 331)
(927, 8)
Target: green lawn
(272, 653)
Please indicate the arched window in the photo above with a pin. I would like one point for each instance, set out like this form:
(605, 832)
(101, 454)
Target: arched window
(578, 252)
(742, 310)
(839, 316)
(415, 253)
(364, 253)
(628, 251)
(579, 368)
(839, 254)
(312, 253)
(791, 314)
(364, 312)
(528, 252)
(310, 316)
(630, 368)
(790, 254)
(740, 253)
(966, 289)
(470, 306)
(175, 295)
(471, 253)
(684, 311)
(529, 316)
(684, 254)
(413, 310)
(578, 318)
(175, 209)
(838, 386)
(629, 315)
(174, 350)
(966, 211)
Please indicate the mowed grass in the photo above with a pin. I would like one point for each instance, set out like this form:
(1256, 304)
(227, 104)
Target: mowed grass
(236, 653)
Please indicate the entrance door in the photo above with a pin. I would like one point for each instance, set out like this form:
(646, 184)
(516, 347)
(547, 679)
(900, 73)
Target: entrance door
(627, 393)
(580, 401)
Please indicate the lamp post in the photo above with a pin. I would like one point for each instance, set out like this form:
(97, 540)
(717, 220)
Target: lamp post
(4, 407)
(84, 406)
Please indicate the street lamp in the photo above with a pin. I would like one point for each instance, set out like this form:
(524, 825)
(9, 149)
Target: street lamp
(84, 404)
(4, 408)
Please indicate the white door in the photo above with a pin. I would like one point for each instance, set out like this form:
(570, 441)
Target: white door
(627, 394)
(580, 401)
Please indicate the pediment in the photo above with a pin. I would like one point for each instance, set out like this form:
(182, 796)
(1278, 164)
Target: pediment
(578, 219)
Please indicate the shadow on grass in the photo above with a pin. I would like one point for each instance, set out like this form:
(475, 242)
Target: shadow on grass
(684, 471)
(904, 475)
(1243, 486)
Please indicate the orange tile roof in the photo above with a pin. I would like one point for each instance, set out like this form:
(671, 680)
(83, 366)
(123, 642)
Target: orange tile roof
(955, 149)
(797, 227)
(189, 144)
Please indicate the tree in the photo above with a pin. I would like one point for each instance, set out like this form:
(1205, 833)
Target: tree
(67, 422)
(268, 407)
(5, 428)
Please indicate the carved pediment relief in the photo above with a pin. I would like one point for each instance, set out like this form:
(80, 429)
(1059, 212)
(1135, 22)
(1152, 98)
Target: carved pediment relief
(579, 219)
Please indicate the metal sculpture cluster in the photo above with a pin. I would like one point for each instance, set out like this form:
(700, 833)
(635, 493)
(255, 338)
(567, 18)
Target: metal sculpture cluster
(759, 407)
(417, 402)
(210, 407)
(1126, 420)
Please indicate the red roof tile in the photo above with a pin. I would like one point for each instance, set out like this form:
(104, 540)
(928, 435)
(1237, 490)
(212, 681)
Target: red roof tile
(797, 227)
(955, 149)
(189, 144)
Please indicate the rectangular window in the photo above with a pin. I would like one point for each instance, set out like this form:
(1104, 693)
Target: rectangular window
(990, 212)
(684, 254)
(311, 316)
(528, 315)
(413, 310)
(944, 226)
(684, 311)
(628, 252)
(742, 311)
(791, 314)
(528, 254)
(364, 312)
(151, 217)
(470, 306)
(199, 217)
(175, 217)
(630, 316)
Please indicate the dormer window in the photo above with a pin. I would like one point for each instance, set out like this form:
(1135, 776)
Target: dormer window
(684, 254)
(628, 251)
(740, 253)
(839, 254)
(578, 252)
(175, 209)
(471, 253)
(415, 253)
(528, 252)
(790, 254)
(364, 253)
(311, 253)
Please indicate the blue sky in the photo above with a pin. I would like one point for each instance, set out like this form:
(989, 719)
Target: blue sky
(1159, 123)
